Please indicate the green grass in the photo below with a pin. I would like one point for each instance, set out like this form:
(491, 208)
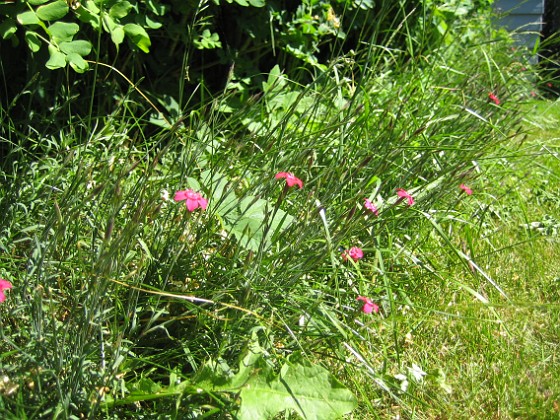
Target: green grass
(126, 304)
(497, 360)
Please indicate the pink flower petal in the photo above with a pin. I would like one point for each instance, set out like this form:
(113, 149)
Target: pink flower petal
(5, 284)
(193, 200)
(180, 196)
(355, 253)
(370, 206)
(368, 306)
(466, 189)
(494, 98)
(291, 179)
(403, 194)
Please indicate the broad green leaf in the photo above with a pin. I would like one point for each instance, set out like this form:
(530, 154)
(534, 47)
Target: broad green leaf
(28, 18)
(79, 47)
(309, 390)
(53, 11)
(138, 36)
(120, 9)
(77, 62)
(8, 28)
(255, 222)
(117, 35)
(90, 16)
(63, 31)
(36, 2)
(33, 41)
(152, 24)
(57, 59)
(257, 3)
(91, 6)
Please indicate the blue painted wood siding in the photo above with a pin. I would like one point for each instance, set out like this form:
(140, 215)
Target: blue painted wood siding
(524, 17)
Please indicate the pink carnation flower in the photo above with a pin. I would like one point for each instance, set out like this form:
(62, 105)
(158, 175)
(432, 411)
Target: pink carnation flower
(193, 200)
(467, 190)
(355, 253)
(368, 306)
(403, 194)
(494, 98)
(370, 206)
(291, 180)
(4, 285)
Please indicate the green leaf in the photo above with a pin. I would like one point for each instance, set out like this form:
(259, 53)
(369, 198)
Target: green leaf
(36, 2)
(152, 24)
(8, 28)
(63, 31)
(33, 41)
(57, 59)
(117, 35)
(120, 9)
(309, 390)
(77, 62)
(79, 47)
(138, 36)
(89, 15)
(53, 11)
(156, 7)
(28, 18)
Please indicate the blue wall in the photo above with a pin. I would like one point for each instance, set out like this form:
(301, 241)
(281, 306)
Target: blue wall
(521, 16)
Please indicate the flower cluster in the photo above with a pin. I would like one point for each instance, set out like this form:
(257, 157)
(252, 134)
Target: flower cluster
(194, 200)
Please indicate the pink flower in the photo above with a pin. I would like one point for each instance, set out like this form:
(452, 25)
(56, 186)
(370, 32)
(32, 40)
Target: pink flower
(370, 206)
(403, 194)
(355, 253)
(193, 199)
(4, 285)
(467, 190)
(368, 306)
(494, 98)
(291, 180)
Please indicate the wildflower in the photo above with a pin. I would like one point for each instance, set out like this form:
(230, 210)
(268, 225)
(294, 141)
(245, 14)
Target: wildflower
(467, 190)
(4, 285)
(355, 253)
(494, 98)
(291, 180)
(370, 206)
(193, 200)
(368, 306)
(403, 194)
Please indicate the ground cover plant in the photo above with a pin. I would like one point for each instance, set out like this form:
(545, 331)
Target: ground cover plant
(327, 237)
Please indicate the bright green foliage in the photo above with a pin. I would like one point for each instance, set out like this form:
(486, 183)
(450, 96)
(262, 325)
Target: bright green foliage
(300, 387)
(113, 17)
